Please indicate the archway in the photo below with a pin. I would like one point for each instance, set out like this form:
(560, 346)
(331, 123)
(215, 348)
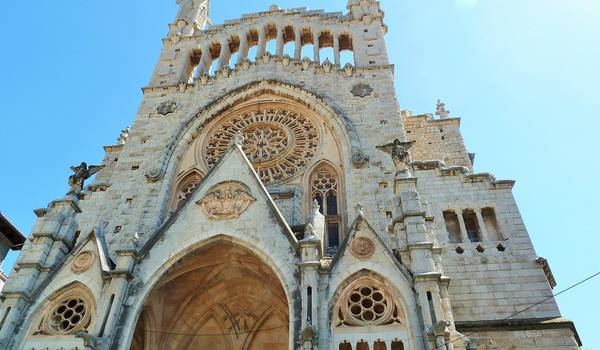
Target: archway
(220, 297)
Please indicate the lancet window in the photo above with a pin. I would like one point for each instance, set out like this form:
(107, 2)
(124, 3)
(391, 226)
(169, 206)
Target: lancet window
(186, 187)
(325, 190)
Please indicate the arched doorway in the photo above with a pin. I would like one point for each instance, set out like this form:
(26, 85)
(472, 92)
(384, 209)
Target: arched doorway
(220, 297)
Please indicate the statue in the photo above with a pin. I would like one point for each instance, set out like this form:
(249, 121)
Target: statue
(81, 173)
(441, 111)
(123, 136)
(399, 152)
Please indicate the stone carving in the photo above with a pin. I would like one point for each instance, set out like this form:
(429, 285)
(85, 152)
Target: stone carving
(441, 111)
(81, 173)
(362, 247)
(278, 142)
(226, 200)
(400, 155)
(123, 136)
(68, 314)
(83, 261)
(366, 302)
(348, 70)
(166, 107)
(326, 65)
(362, 90)
(359, 158)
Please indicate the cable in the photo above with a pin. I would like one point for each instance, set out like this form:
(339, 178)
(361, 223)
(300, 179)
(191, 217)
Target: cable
(214, 334)
(529, 307)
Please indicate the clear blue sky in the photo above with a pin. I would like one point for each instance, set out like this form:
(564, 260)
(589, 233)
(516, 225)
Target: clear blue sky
(524, 75)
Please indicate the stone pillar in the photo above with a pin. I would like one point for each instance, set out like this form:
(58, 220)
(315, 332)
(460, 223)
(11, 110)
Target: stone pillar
(205, 60)
(224, 55)
(280, 43)
(118, 288)
(316, 48)
(336, 48)
(485, 237)
(262, 42)
(243, 50)
(298, 43)
(464, 237)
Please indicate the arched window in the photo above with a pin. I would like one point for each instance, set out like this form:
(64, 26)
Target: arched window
(68, 313)
(186, 187)
(325, 190)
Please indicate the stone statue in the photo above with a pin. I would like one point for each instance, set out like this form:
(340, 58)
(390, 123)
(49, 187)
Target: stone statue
(81, 173)
(123, 136)
(441, 111)
(400, 155)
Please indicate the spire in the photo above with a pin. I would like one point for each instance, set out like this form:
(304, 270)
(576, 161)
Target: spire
(192, 15)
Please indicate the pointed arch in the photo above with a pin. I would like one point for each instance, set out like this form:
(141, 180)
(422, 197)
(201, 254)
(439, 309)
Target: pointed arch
(325, 186)
(66, 311)
(185, 186)
(363, 301)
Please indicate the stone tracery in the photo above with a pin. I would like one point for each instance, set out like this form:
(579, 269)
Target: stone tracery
(278, 142)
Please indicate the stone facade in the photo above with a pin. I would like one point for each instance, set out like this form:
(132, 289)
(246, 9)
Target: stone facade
(265, 200)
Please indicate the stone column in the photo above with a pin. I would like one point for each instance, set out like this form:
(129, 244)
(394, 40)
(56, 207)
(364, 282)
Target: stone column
(225, 54)
(464, 237)
(316, 48)
(280, 43)
(205, 60)
(485, 237)
(243, 50)
(298, 43)
(262, 42)
(336, 48)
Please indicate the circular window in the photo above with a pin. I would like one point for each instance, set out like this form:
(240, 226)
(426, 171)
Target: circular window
(278, 142)
(367, 302)
(68, 315)
(368, 305)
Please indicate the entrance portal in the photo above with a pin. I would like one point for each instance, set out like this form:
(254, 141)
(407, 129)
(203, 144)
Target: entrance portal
(221, 297)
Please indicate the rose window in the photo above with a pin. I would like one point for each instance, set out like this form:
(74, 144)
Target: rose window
(68, 315)
(278, 142)
(367, 304)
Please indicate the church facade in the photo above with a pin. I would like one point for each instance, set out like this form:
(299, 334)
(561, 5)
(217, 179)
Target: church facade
(266, 198)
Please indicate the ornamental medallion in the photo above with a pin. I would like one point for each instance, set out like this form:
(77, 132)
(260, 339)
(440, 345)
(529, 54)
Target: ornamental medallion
(362, 247)
(83, 261)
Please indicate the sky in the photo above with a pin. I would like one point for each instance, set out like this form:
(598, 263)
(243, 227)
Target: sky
(522, 74)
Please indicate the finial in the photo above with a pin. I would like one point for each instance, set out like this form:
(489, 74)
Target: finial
(315, 206)
(359, 209)
(440, 110)
(238, 139)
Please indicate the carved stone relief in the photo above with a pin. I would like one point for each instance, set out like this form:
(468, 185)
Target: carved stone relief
(362, 90)
(226, 200)
(166, 107)
(83, 261)
(362, 247)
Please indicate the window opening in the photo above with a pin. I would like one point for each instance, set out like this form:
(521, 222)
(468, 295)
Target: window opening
(452, 226)
(471, 225)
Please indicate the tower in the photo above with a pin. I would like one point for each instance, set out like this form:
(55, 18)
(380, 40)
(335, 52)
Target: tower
(271, 194)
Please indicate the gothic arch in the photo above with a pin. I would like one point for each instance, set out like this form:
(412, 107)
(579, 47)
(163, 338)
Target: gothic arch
(394, 282)
(156, 271)
(184, 186)
(167, 161)
(82, 316)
